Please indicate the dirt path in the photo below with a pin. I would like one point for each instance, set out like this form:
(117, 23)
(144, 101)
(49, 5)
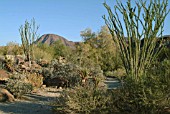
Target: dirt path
(36, 103)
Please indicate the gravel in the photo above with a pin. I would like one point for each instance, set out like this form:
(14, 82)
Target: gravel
(35, 103)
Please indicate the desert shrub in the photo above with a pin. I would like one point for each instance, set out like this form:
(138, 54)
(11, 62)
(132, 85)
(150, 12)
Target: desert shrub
(143, 90)
(83, 99)
(20, 84)
(119, 73)
(47, 72)
(41, 54)
(36, 80)
(140, 99)
(18, 88)
(164, 54)
(1, 64)
(87, 100)
(60, 49)
(97, 74)
(109, 73)
(67, 71)
(147, 96)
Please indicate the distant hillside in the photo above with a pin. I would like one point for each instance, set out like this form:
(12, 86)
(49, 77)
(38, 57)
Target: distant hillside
(166, 40)
(51, 38)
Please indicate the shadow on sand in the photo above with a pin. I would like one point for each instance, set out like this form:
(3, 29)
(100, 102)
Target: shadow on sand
(33, 104)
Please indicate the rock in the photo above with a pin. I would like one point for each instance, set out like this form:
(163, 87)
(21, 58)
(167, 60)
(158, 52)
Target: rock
(60, 88)
(43, 86)
(19, 60)
(24, 67)
(4, 76)
(6, 95)
(43, 63)
(166, 110)
(34, 65)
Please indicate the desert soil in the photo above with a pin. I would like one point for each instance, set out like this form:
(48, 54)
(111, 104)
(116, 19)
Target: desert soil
(39, 102)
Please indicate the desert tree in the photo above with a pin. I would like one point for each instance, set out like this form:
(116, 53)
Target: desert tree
(28, 33)
(87, 34)
(144, 21)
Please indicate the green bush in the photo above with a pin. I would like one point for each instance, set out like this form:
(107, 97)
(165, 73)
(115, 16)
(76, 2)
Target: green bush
(41, 54)
(84, 100)
(67, 71)
(18, 85)
(120, 72)
(164, 54)
(1, 64)
(18, 88)
(150, 95)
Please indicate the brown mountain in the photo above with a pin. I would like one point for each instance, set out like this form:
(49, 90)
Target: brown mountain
(51, 38)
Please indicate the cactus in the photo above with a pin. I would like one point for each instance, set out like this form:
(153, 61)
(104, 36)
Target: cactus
(146, 20)
(28, 33)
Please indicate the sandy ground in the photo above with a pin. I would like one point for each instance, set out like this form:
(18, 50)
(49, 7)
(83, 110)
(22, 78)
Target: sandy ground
(35, 103)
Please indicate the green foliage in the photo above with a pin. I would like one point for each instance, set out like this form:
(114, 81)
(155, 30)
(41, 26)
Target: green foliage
(164, 54)
(86, 55)
(2, 60)
(46, 48)
(68, 71)
(17, 86)
(28, 33)
(60, 49)
(117, 73)
(14, 49)
(4, 50)
(87, 34)
(42, 54)
(136, 57)
(150, 95)
(21, 84)
(146, 87)
(98, 50)
(54, 51)
(84, 100)
(11, 48)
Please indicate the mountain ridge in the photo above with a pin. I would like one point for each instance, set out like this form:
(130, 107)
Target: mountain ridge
(50, 39)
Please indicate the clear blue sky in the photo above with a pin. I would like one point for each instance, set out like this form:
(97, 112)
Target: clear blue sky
(63, 17)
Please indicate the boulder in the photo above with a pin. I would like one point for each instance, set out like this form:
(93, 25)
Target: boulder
(5, 95)
(34, 65)
(19, 60)
(4, 76)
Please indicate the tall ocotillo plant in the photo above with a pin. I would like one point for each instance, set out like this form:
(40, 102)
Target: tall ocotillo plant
(28, 33)
(145, 20)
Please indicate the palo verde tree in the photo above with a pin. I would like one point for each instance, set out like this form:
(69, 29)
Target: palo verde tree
(28, 33)
(145, 20)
